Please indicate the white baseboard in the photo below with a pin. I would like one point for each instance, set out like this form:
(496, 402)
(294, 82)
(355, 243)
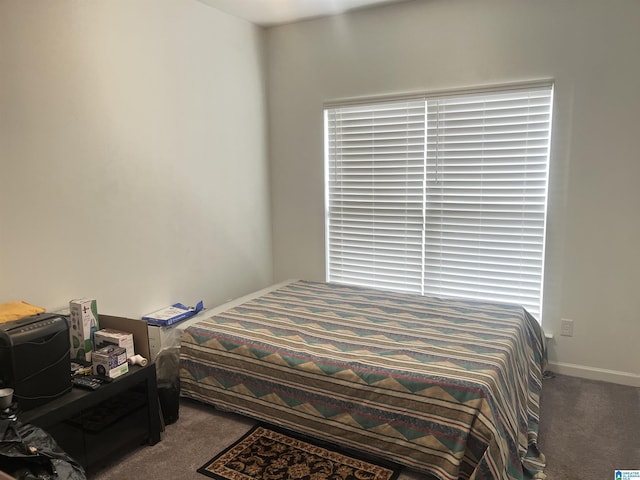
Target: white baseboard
(612, 376)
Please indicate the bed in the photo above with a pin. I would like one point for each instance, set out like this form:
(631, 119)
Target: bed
(446, 387)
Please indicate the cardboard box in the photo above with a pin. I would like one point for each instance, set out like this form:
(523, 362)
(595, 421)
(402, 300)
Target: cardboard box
(162, 338)
(110, 336)
(110, 361)
(136, 326)
(83, 323)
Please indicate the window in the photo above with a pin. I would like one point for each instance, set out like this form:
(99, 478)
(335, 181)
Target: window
(441, 195)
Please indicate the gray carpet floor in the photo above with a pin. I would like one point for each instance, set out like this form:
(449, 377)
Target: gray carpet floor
(587, 430)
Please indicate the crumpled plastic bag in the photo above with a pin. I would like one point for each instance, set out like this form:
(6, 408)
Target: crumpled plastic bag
(29, 453)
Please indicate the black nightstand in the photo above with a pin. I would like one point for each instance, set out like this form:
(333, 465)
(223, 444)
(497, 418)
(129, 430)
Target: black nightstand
(95, 426)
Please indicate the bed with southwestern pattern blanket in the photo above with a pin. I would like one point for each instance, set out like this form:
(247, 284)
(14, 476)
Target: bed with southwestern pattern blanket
(443, 386)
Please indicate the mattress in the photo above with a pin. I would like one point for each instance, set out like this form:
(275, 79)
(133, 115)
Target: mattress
(444, 386)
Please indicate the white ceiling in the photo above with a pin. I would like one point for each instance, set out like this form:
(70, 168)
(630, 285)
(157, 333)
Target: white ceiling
(273, 12)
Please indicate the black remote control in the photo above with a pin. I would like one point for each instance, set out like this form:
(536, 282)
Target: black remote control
(81, 381)
(101, 379)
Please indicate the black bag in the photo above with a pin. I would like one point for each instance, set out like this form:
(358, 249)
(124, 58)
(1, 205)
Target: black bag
(29, 453)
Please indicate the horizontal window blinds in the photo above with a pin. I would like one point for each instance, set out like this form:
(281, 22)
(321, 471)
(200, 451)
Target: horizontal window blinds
(441, 196)
(376, 175)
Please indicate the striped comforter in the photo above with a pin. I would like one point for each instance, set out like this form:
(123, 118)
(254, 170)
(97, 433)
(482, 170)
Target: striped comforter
(446, 387)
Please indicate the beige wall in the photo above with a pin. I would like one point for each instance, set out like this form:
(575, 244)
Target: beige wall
(133, 162)
(588, 47)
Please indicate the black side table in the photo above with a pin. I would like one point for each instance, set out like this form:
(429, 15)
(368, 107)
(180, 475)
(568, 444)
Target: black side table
(93, 426)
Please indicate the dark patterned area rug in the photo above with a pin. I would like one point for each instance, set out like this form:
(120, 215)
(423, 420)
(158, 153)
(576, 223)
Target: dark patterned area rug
(266, 454)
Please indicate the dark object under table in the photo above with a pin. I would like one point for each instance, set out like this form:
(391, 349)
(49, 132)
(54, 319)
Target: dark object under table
(96, 426)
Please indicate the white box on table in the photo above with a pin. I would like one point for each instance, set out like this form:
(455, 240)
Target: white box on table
(111, 336)
(83, 323)
(110, 361)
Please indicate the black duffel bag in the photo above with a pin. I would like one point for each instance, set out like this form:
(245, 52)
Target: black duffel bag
(29, 453)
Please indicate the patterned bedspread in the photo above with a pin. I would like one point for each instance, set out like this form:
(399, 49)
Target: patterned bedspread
(446, 387)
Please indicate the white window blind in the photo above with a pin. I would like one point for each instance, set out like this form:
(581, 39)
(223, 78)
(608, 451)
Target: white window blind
(376, 174)
(441, 195)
